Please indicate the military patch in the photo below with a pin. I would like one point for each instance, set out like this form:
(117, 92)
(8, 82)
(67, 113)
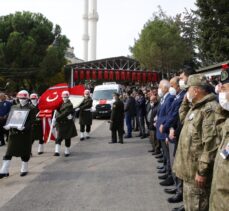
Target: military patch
(191, 116)
(224, 75)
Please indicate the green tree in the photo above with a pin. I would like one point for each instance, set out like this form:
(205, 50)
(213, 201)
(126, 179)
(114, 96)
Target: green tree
(160, 45)
(213, 30)
(31, 49)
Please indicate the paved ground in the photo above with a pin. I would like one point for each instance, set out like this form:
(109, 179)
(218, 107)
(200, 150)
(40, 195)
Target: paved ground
(97, 177)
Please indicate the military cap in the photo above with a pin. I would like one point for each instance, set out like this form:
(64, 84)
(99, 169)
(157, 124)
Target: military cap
(197, 80)
(224, 78)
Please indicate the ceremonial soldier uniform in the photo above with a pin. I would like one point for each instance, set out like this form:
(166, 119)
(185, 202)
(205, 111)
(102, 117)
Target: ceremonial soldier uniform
(65, 125)
(117, 120)
(197, 145)
(37, 131)
(19, 141)
(219, 197)
(85, 115)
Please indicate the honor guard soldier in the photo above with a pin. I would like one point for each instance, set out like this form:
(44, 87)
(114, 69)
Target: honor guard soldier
(37, 131)
(65, 125)
(117, 120)
(85, 116)
(219, 197)
(198, 143)
(19, 141)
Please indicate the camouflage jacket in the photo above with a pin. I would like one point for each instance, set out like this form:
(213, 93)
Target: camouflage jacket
(199, 139)
(220, 183)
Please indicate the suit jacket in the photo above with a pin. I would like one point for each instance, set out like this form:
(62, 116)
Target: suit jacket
(162, 115)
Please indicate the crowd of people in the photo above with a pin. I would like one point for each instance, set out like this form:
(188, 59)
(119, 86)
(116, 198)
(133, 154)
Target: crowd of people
(185, 119)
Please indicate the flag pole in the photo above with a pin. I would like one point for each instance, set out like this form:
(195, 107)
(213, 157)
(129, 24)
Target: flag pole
(52, 126)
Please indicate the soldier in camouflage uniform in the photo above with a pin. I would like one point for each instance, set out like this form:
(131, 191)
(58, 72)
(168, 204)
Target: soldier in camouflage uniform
(198, 143)
(220, 183)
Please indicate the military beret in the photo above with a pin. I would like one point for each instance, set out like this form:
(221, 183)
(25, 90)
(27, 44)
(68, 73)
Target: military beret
(197, 80)
(224, 78)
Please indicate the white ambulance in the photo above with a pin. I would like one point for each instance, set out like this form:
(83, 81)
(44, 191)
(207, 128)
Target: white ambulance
(103, 98)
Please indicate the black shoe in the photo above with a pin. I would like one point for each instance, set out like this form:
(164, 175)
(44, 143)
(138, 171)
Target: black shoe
(160, 161)
(81, 139)
(161, 171)
(176, 199)
(169, 181)
(22, 174)
(170, 190)
(156, 153)
(120, 142)
(56, 154)
(139, 135)
(181, 208)
(39, 153)
(163, 176)
(151, 150)
(88, 137)
(112, 142)
(160, 167)
(4, 175)
(66, 155)
(159, 156)
(144, 136)
(128, 136)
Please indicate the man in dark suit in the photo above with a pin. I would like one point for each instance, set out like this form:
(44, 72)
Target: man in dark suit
(130, 111)
(162, 115)
(117, 120)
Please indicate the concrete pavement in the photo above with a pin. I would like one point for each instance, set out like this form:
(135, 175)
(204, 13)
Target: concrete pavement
(97, 176)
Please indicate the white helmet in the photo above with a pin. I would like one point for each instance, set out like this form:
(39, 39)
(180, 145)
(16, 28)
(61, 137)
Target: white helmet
(33, 96)
(23, 94)
(65, 94)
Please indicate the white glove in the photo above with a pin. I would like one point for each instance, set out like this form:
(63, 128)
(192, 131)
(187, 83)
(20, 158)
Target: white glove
(77, 109)
(20, 128)
(6, 127)
(69, 116)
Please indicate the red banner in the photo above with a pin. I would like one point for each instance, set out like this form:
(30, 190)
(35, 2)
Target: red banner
(139, 76)
(117, 75)
(76, 75)
(106, 76)
(94, 75)
(111, 75)
(123, 75)
(100, 75)
(133, 76)
(149, 76)
(144, 76)
(88, 77)
(128, 75)
(81, 74)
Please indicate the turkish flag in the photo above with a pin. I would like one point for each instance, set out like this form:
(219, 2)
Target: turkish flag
(117, 75)
(111, 75)
(88, 74)
(51, 98)
(100, 75)
(94, 74)
(76, 75)
(123, 75)
(106, 77)
(81, 74)
(46, 125)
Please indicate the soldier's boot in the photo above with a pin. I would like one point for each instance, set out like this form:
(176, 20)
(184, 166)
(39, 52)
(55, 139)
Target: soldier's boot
(57, 150)
(4, 172)
(40, 149)
(24, 169)
(81, 136)
(87, 135)
(67, 151)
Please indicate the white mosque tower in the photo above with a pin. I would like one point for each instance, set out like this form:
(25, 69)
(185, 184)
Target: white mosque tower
(90, 18)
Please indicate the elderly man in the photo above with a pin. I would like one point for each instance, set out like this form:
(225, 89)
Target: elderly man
(198, 143)
(220, 183)
(162, 115)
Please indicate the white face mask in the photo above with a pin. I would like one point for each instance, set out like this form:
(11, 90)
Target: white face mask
(182, 84)
(65, 99)
(34, 102)
(160, 93)
(172, 91)
(189, 97)
(86, 96)
(223, 100)
(23, 102)
(114, 99)
(151, 103)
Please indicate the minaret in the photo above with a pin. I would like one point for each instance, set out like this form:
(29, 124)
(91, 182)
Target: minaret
(93, 19)
(85, 34)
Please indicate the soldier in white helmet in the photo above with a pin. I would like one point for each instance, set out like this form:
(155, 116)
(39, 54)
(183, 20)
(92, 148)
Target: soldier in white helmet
(37, 131)
(19, 141)
(65, 125)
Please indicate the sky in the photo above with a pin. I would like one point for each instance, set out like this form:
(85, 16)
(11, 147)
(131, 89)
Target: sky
(120, 21)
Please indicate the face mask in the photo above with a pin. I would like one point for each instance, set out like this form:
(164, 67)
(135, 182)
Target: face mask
(189, 97)
(223, 100)
(182, 84)
(160, 93)
(65, 99)
(23, 102)
(172, 91)
(151, 104)
(114, 99)
(86, 96)
(217, 89)
(34, 102)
